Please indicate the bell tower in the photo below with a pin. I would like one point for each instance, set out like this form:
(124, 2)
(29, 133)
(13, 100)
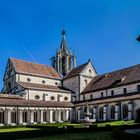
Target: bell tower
(65, 60)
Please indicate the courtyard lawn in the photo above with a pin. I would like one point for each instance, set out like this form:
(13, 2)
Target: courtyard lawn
(116, 123)
(78, 136)
(17, 129)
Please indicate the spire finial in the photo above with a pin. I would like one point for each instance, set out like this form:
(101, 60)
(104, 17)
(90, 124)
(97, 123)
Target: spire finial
(63, 32)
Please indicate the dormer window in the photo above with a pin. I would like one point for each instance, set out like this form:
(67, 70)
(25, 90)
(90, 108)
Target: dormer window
(28, 79)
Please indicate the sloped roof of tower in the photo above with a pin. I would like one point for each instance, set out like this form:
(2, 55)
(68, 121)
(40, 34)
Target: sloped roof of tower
(63, 43)
(76, 71)
(31, 68)
(113, 79)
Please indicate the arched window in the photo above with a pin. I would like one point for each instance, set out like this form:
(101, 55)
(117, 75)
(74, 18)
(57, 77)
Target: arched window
(13, 116)
(101, 113)
(86, 82)
(112, 112)
(1, 116)
(53, 115)
(35, 116)
(24, 116)
(61, 115)
(125, 111)
(44, 116)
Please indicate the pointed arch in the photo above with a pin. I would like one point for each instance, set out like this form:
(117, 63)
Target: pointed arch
(1, 116)
(125, 111)
(101, 113)
(13, 116)
(112, 112)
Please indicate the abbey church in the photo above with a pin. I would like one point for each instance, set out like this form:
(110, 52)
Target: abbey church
(35, 93)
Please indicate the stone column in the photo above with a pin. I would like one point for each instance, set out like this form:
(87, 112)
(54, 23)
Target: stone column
(20, 117)
(31, 116)
(41, 116)
(8, 116)
(94, 113)
(104, 113)
(50, 118)
(129, 111)
(78, 114)
(116, 112)
(67, 115)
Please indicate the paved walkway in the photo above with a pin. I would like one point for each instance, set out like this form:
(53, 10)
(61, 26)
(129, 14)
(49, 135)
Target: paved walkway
(133, 131)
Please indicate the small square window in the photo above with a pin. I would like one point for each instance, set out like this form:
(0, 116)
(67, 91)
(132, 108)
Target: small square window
(83, 97)
(138, 87)
(91, 96)
(124, 90)
(102, 94)
(112, 92)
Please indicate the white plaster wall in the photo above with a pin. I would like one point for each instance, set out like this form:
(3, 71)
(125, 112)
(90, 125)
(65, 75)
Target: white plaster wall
(117, 91)
(48, 94)
(38, 80)
(72, 84)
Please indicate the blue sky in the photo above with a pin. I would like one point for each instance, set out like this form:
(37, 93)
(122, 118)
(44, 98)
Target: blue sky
(103, 30)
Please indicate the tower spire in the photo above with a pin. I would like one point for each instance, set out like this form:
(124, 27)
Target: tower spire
(64, 61)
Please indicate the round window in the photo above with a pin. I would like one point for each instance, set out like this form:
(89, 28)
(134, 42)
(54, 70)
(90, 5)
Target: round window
(28, 79)
(43, 81)
(37, 97)
(52, 97)
(65, 98)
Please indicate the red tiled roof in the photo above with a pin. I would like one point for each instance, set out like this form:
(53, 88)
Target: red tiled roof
(43, 87)
(34, 69)
(76, 71)
(20, 102)
(117, 78)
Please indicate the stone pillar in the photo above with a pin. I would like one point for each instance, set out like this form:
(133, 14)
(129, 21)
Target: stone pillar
(67, 115)
(20, 117)
(116, 112)
(31, 116)
(78, 114)
(41, 116)
(8, 116)
(104, 113)
(50, 118)
(38, 116)
(94, 113)
(129, 111)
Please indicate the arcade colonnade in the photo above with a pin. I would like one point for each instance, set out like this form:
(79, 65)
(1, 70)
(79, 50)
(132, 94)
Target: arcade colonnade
(23, 116)
(107, 112)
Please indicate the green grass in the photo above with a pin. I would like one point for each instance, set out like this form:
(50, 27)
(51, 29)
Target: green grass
(16, 129)
(78, 136)
(116, 123)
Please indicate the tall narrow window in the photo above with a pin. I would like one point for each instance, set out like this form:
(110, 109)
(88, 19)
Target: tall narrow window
(83, 97)
(102, 94)
(112, 112)
(86, 82)
(125, 111)
(91, 96)
(1, 116)
(101, 113)
(44, 116)
(24, 116)
(35, 116)
(13, 116)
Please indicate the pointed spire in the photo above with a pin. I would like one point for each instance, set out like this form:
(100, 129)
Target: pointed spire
(63, 43)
